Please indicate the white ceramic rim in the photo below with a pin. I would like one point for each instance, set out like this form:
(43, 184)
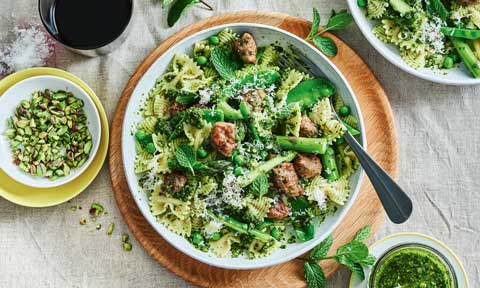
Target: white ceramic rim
(382, 48)
(91, 122)
(251, 263)
(383, 245)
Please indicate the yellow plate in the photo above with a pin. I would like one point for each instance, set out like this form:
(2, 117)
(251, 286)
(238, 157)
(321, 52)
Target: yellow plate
(43, 197)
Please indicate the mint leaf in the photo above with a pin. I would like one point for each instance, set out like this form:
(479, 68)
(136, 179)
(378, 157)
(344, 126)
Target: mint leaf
(321, 250)
(186, 157)
(363, 234)
(354, 251)
(259, 186)
(368, 261)
(326, 45)
(314, 275)
(223, 62)
(185, 99)
(353, 266)
(315, 24)
(338, 21)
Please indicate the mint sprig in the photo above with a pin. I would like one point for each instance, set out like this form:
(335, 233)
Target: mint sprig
(338, 20)
(259, 186)
(354, 255)
(186, 157)
(224, 63)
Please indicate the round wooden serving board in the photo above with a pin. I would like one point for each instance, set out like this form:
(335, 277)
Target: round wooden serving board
(367, 210)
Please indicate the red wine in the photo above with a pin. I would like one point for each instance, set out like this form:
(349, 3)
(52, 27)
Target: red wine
(90, 24)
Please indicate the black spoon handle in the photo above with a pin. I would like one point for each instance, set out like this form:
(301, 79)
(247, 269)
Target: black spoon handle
(395, 201)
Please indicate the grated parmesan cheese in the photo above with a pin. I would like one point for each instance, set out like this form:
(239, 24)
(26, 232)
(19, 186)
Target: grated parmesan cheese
(30, 48)
(232, 193)
(205, 96)
(212, 227)
(432, 34)
(320, 197)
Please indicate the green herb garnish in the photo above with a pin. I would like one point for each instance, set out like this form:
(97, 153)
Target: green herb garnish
(223, 63)
(186, 157)
(259, 186)
(354, 255)
(180, 7)
(338, 20)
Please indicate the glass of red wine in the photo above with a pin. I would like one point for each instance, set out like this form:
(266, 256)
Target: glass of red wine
(88, 27)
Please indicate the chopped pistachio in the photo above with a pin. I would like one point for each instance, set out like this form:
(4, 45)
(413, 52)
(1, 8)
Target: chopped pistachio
(51, 129)
(127, 246)
(98, 226)
(83, 221)
(125, 238)
(110, 229)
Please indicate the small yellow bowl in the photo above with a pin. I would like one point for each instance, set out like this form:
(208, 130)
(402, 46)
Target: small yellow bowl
(43, 197)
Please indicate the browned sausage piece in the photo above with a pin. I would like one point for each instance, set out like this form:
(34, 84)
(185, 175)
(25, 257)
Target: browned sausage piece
(278, 211)
(255, 98)
(246, 48)
(176, 108)
(223, 138)
(308, 166)
(286, 180)
(174, 181)
(307, 127)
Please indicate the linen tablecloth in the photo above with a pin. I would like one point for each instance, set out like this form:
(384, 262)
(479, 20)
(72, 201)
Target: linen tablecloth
(438, 128)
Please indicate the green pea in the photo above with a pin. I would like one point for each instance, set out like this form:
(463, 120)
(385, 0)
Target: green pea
(141, 135)
(216, 236)
(239, 160)
(344, 111)
(340, 141)
(197, 238)
(202, 153)
(276, 233)
(237, 171)
(362, 3)
(202, 60)
(213, 40)
(448, 62)
(150, 148)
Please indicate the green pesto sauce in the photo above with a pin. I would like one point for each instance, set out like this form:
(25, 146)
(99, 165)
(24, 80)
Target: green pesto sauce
(412, 268)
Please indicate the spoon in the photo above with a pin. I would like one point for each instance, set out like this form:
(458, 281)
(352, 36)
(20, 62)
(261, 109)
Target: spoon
(395, 201)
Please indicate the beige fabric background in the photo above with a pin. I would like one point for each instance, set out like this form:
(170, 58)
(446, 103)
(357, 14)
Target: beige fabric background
(438, 128)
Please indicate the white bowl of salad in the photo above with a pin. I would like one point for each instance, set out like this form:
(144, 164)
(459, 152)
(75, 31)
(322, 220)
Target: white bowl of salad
(434, 40)
(231, 150)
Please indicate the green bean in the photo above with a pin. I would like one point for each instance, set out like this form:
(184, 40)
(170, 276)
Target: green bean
(461, 33)
(246, 117)
(302, 144)
(229, 112)
(329, 164)
(264, 167)
(310, 91)
(240, 227)
(467, 55)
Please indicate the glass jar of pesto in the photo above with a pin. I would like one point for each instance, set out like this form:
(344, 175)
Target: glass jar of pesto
(412, 265)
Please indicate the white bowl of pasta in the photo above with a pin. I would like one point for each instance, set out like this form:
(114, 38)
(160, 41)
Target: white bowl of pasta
(240, 165)
(419, 41)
